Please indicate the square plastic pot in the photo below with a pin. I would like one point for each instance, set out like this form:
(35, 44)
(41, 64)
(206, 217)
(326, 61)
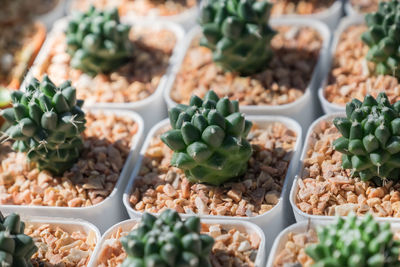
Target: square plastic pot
(304, 109)
(110, 210)
(274, 220)
(152, 108)
(229, 224)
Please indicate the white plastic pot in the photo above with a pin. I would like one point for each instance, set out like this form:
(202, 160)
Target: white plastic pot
(301, 227)
(53, 15)
(110, 210)
(152, 108)
(239, 225)
(274, 220)
(303, 110)
(327, 106)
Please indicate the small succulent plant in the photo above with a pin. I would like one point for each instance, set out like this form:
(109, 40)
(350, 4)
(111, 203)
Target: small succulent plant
(383, 38)
(238, 33)
(370, 140)
(353, 241)
(46, 122)
(209, 139)
(16, 248)
(167, 241)
(97, 41)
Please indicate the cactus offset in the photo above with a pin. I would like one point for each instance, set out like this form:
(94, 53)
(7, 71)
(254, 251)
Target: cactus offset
(383, 38)
(355, 242)
(16, 248)
(209, 139)
(167, 241)
(46, 122)
(97, 41)
(370, 140)
(238, 33)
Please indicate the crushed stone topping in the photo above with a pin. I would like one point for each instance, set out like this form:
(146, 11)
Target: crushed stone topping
(352, 75)
(366, 6)
(232, 247)
(134, 81)
(300, 7)
(107, 142)
(296, 51)
(327, 189)
(159, 186)
(60, 248)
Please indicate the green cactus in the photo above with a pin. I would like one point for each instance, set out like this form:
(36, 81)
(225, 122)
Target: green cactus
(16, 248)
(167, 241)
(355, 242)
(97, 41)
(46, 122)
(383, 38)
(238, 33)
(209, 139)
(370, 140)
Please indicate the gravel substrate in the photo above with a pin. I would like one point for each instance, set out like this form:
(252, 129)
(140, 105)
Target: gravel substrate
(296, 51)
(327, 189)
(159, 186)
(366, 6)
(299, 7)
(231, 247)
(107, 142)
(352, 76)
(134, 81)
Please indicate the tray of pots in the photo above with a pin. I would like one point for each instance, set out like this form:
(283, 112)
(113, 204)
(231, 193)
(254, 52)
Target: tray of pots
(210, 160)
(112, 64)
(59, 159)
(269, 71)
(364, 59)
(354, 7)
(347, 241)
(350, 163)
(170, 241)
(50, 242)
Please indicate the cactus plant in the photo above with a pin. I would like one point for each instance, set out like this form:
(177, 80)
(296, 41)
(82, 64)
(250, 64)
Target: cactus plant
(355, 242)
(383, 38)
(370, 140)
(238, 33)
(16, 248)
(209, 139)
(97, 41)
(46, 122)
(167, 241)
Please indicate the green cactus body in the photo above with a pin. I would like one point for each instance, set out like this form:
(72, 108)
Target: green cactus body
(209, 139)
(97, 41)
(16, 248)
(238, 33)
(46, 122)
(383, 38)
(370, 140)
(167, 241)
(355, 242)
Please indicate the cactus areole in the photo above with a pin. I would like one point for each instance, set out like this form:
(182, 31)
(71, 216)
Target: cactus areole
(46, 123)
(16, 248)
(167, 241)
(355, 242)
(370, 140)
(209, 139)
(383, 38)
(97, 41)
(238, 33)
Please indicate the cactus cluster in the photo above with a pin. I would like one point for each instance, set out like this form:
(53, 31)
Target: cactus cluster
(209, 139)
(97, 41)
(167, 241)
(370, 140)
(46, 122)
(16, 248)
(383, 38)
(353, 241)
(238, 33)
